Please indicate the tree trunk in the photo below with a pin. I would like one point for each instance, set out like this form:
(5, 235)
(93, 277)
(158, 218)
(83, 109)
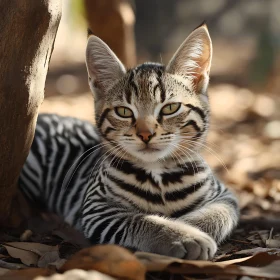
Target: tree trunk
(27, 33)
(113, 22)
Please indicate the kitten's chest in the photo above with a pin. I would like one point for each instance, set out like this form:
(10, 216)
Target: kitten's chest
(155, 192)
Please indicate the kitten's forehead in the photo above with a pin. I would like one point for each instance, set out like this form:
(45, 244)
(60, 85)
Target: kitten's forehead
(151, 83)
(147, 83)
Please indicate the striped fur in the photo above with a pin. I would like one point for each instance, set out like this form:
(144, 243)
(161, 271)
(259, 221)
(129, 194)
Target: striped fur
(158, 196)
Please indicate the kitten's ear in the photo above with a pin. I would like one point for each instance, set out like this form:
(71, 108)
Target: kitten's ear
(193, 58)
(104, 68)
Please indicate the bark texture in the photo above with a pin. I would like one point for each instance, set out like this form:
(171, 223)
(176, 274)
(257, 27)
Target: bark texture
(27, 33)
(113, 22)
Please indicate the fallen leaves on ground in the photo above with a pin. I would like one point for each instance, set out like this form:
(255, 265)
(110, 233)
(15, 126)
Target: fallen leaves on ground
(19, 255)
(27, 257)
(33, 254)
(122, 264)
(260, 265)
(265, 238)
(109, 259)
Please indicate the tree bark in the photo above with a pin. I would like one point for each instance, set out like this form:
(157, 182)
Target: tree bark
(113, 22)
(27, 33)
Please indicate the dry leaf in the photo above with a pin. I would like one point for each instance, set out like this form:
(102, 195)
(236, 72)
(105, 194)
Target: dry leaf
(57, 264)
(235, 261)
(29, 253)
(272, 243)
(256, 250)
(270, 270)
(260, 259)
(48, 258)
(225, 249)
(258, 242)
(155, 262)
(265, 238)
(109, 259)
(26, 257)
(37, 248)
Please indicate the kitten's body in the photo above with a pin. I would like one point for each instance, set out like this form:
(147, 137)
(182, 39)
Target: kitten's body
(150, 189)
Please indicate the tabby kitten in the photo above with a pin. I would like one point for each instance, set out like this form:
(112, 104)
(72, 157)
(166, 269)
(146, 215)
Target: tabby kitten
(137, 179)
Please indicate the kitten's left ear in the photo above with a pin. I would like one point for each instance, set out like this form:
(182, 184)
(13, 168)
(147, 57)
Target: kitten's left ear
(104, 68)
(193, 58)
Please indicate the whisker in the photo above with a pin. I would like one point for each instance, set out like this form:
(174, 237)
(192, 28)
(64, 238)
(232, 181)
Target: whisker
(213, 152)
(187, 155)
(203, 162)
(208, 142)
(108, 151)
(109, 164)
(97, 147)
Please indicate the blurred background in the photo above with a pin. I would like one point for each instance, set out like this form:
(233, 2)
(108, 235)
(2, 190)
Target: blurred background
(244, 141)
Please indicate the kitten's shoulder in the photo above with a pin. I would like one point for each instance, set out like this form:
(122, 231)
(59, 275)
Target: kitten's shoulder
(56, 125)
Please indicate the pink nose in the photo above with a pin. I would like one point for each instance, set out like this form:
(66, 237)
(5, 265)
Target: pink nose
(145, 136)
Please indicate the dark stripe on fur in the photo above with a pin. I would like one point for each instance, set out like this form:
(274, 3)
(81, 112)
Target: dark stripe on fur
(128, 92)
(108, 130)
(127, 168)
(188, 209)
(146, 195)
(95, 238)
(197, 110)
(134, 86)
(193, 124)
(103, 117)
(176, 177)
(161, 85)
(112, 230)
(182, 194)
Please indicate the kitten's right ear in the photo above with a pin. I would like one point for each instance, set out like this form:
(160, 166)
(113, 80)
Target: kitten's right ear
(193, 58)
(104, 68)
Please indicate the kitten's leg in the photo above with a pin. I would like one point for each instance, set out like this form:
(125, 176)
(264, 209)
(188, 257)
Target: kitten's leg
(150, 233)
(217, 218)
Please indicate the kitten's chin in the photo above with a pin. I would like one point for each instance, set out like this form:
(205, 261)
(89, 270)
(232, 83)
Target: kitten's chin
(149, 154)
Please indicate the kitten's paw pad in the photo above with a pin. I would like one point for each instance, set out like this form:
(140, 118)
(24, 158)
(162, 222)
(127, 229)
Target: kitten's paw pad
(177, 250)
(198, 248)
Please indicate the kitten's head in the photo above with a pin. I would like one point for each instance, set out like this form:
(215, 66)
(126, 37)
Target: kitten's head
(152, 112)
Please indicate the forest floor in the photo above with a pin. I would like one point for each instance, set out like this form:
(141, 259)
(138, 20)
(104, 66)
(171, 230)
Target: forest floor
(243, 148)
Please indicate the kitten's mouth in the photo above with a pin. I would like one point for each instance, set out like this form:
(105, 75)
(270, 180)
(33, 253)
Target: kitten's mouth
(148, 150)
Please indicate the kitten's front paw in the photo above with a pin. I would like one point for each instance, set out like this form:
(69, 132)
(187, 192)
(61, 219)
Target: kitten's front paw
(201, 247)
(180, 240)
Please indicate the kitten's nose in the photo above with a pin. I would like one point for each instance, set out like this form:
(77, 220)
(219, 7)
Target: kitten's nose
(145, 136)
(144, 130)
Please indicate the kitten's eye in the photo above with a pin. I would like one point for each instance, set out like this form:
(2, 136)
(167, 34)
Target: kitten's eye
(170, 108)
(123, 112)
